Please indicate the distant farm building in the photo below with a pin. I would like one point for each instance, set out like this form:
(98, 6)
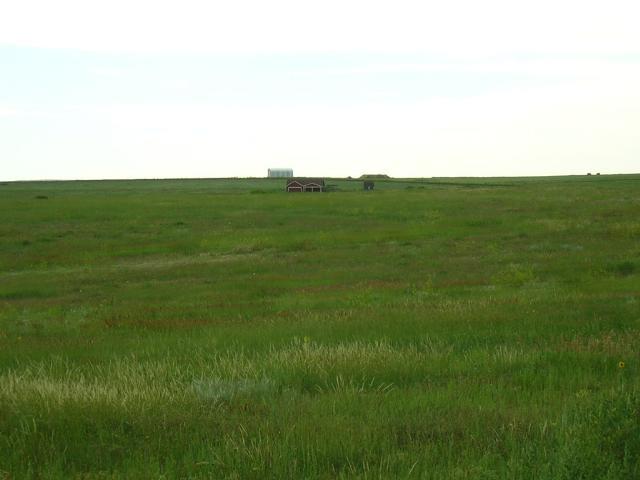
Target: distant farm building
(280, 173)
(305, 185)
(374, 175)
(368, 185)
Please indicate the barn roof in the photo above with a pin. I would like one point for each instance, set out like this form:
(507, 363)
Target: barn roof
(306, 181)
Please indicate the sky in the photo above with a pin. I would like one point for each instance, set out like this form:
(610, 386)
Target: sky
(167, 89)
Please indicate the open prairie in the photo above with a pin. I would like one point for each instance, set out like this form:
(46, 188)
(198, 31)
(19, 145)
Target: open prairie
(441, 328)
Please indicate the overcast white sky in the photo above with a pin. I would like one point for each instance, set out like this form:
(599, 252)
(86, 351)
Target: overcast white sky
(129, 89)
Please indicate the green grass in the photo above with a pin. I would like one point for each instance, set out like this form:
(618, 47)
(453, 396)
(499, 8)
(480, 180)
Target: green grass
(434, 328)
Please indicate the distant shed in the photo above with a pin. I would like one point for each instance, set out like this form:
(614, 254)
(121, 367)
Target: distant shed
(280, 173)
(305, 185)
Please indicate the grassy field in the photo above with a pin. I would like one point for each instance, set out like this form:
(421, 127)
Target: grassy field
(441, 328)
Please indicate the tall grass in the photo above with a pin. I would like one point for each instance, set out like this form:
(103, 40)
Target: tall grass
(192, 329)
